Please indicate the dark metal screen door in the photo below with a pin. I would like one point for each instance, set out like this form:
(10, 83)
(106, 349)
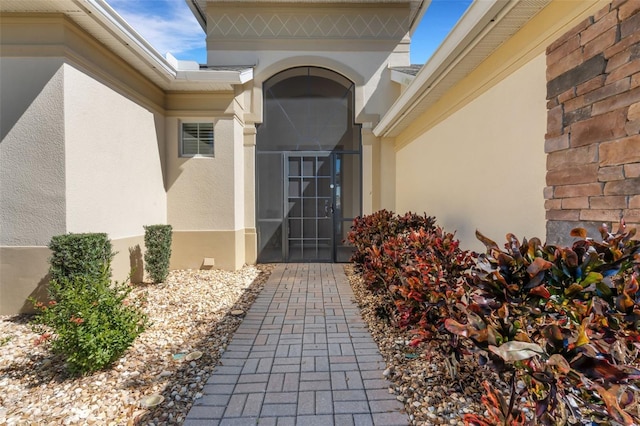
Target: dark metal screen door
(308, 167)
(309, 222)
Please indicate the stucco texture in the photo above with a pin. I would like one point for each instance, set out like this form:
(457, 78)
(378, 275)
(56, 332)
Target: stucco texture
(201, 190)
(484, 166)
(32, 151)
(114, 174)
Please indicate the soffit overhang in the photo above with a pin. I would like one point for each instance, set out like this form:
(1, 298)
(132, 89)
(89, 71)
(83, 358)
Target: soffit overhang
(99, 20)
(485, 26)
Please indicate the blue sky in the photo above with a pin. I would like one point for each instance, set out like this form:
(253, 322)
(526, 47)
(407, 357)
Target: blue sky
(170, 26)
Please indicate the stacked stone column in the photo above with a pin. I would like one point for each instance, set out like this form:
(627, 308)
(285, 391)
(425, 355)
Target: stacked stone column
(593, 126)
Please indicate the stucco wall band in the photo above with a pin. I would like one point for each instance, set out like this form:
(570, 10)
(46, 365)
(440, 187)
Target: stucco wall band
(189, 248)
(23, 274)
(128, 263)
(250, 246)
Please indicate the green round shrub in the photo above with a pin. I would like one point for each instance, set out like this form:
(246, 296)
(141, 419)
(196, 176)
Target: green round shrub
(92, 320)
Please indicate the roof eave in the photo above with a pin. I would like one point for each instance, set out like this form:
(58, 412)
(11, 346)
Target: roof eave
(402, 78)
(200, 14)
(422, 9)
(109, 18)
(475, 19)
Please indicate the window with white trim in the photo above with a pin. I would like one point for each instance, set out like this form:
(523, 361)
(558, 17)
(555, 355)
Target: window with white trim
(196, 140)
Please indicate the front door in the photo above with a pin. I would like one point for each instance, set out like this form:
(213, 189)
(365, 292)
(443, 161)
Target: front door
(310, 207)
(307, 201)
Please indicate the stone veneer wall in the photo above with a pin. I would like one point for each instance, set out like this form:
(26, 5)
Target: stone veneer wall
(593, 126)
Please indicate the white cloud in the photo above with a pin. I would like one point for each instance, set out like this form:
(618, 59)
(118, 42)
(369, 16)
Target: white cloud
(168, 25)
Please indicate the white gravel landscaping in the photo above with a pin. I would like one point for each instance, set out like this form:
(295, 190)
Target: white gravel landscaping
(190, 312)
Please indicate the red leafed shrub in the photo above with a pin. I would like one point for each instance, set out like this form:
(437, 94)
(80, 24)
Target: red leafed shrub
(372, 230)
(420, 268)
(560, 324)
(564, 321)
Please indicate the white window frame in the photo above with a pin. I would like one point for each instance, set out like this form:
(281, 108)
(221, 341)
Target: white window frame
(181, 151)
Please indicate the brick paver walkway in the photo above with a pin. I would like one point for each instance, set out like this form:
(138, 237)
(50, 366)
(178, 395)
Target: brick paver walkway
(302, 356)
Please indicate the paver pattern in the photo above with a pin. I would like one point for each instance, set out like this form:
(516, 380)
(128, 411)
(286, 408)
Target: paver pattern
(302, 356)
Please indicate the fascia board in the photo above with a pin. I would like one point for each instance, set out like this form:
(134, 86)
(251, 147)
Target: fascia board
(401, 77)
(416, 20)
(197, 12)
(227, 77)
(108, 17)
(479, 14)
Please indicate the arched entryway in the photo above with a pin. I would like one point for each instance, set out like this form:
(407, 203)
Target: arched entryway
(308, 167)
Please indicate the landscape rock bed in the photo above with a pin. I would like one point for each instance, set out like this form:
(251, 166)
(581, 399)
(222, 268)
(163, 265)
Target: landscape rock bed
(190, 312)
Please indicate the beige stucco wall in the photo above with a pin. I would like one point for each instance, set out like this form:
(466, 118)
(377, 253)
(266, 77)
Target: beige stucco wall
(32, 151)
(475, 158)
(80, 150)
(484, 166)
(114, 176)
(251, 236)
(24, 273)
(128, 263)
(238, 175)
(201, 189)
(207, 196)
(387, 175)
